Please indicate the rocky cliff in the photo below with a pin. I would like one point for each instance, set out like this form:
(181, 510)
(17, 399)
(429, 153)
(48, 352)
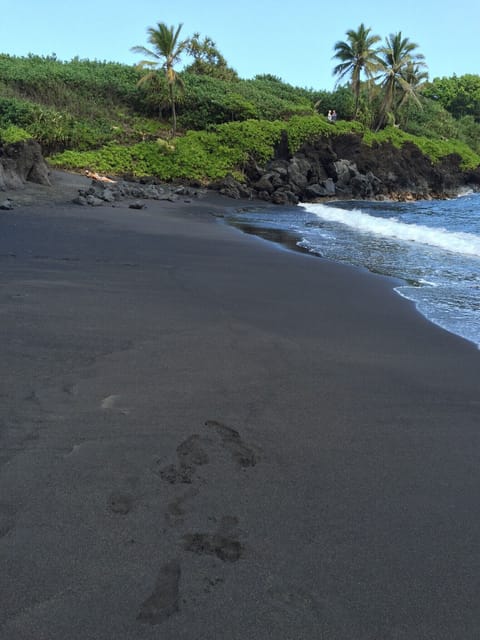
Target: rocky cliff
(344, 167)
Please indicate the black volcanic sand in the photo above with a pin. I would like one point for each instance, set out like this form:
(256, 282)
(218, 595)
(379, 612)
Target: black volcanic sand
(205, 436)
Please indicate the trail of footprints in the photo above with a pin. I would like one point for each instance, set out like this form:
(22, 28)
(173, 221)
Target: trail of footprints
(191, 454)
(223, 543)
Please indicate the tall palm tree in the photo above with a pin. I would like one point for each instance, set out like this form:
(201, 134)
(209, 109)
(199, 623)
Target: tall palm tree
(398, 60)
(165, 53)
(357, 54)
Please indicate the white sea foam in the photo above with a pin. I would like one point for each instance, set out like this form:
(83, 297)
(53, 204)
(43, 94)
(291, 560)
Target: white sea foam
(456, 242)
(466, 191)
(428, 283)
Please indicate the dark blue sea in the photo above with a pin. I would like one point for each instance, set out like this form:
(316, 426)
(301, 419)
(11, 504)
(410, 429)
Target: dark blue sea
(431, 246)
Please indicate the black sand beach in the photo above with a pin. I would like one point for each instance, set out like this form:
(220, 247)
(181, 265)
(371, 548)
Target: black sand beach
(205, 436)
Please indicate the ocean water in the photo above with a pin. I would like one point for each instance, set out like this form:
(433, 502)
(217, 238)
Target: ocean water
(432, 247)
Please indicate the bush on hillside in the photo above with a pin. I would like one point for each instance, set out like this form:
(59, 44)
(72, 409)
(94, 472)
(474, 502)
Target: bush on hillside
(61, 84)
(12, 134)
(208, 101)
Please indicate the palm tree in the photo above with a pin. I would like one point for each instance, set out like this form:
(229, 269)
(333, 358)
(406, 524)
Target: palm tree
(398, 61)
(165, 53)
(357, 55)
(415, 76)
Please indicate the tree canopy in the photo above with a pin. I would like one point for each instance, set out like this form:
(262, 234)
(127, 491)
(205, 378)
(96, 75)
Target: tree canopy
(357, 55)
(459, 95)
(400, 66)
(165, 54)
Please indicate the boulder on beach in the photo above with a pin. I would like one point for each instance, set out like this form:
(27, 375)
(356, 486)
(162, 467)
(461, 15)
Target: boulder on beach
(22, 162)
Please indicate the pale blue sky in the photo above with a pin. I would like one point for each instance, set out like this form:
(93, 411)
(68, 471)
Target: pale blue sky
(293, 40)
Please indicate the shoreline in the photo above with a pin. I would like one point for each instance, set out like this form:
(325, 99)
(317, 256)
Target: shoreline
(288, 240)
(204, 436)
(65, 186)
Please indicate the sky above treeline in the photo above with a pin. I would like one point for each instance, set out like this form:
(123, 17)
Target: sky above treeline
(294, 41)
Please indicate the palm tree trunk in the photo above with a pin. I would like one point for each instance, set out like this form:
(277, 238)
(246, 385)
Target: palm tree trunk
(357, 100)
(174, 113)
(387, 104)
(356, 93)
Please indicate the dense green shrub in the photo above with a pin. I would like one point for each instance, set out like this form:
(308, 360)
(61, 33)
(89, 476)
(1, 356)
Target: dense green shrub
(51, 81)
(54, 129)
(275, 100)
(254, 139)
(208, 100)
(195, 156)
(300, 129)
(435, 149)
(13, 134)
(57, 129)
(15, 112)
(342, 100)
(459, 95)
(469, 132)
(431, 120)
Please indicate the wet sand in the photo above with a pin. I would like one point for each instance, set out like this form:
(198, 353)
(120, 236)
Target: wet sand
(204, 435)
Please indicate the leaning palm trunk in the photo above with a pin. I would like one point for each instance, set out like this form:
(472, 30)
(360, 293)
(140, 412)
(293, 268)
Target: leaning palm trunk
(174, 111)
(400, 64)
(387, 103)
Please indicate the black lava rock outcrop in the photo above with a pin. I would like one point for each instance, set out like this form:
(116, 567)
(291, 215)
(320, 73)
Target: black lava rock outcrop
(22, 162)
(102, 193)
(344, 167)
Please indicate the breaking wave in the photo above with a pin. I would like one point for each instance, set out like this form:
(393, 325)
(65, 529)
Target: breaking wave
(453, 241)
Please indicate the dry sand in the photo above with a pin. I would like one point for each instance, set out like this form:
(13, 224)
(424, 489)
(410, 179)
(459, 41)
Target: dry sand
(205, 436)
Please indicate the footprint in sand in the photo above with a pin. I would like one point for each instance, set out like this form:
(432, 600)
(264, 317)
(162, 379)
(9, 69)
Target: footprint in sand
(164, 600)
(7, 518)
(176, 508)
(120, 503)
(224, 543)
(243, 454)
(191, 454)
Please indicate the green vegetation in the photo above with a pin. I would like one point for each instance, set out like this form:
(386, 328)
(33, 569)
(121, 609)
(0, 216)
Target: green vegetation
(434, 149)
(396, 65)
(357, 55)
(226, 148)
(460, 96)
(397, 61)
(118, 119)
(207, 59)
(195, 156)
(165, 53)
(12, 134)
